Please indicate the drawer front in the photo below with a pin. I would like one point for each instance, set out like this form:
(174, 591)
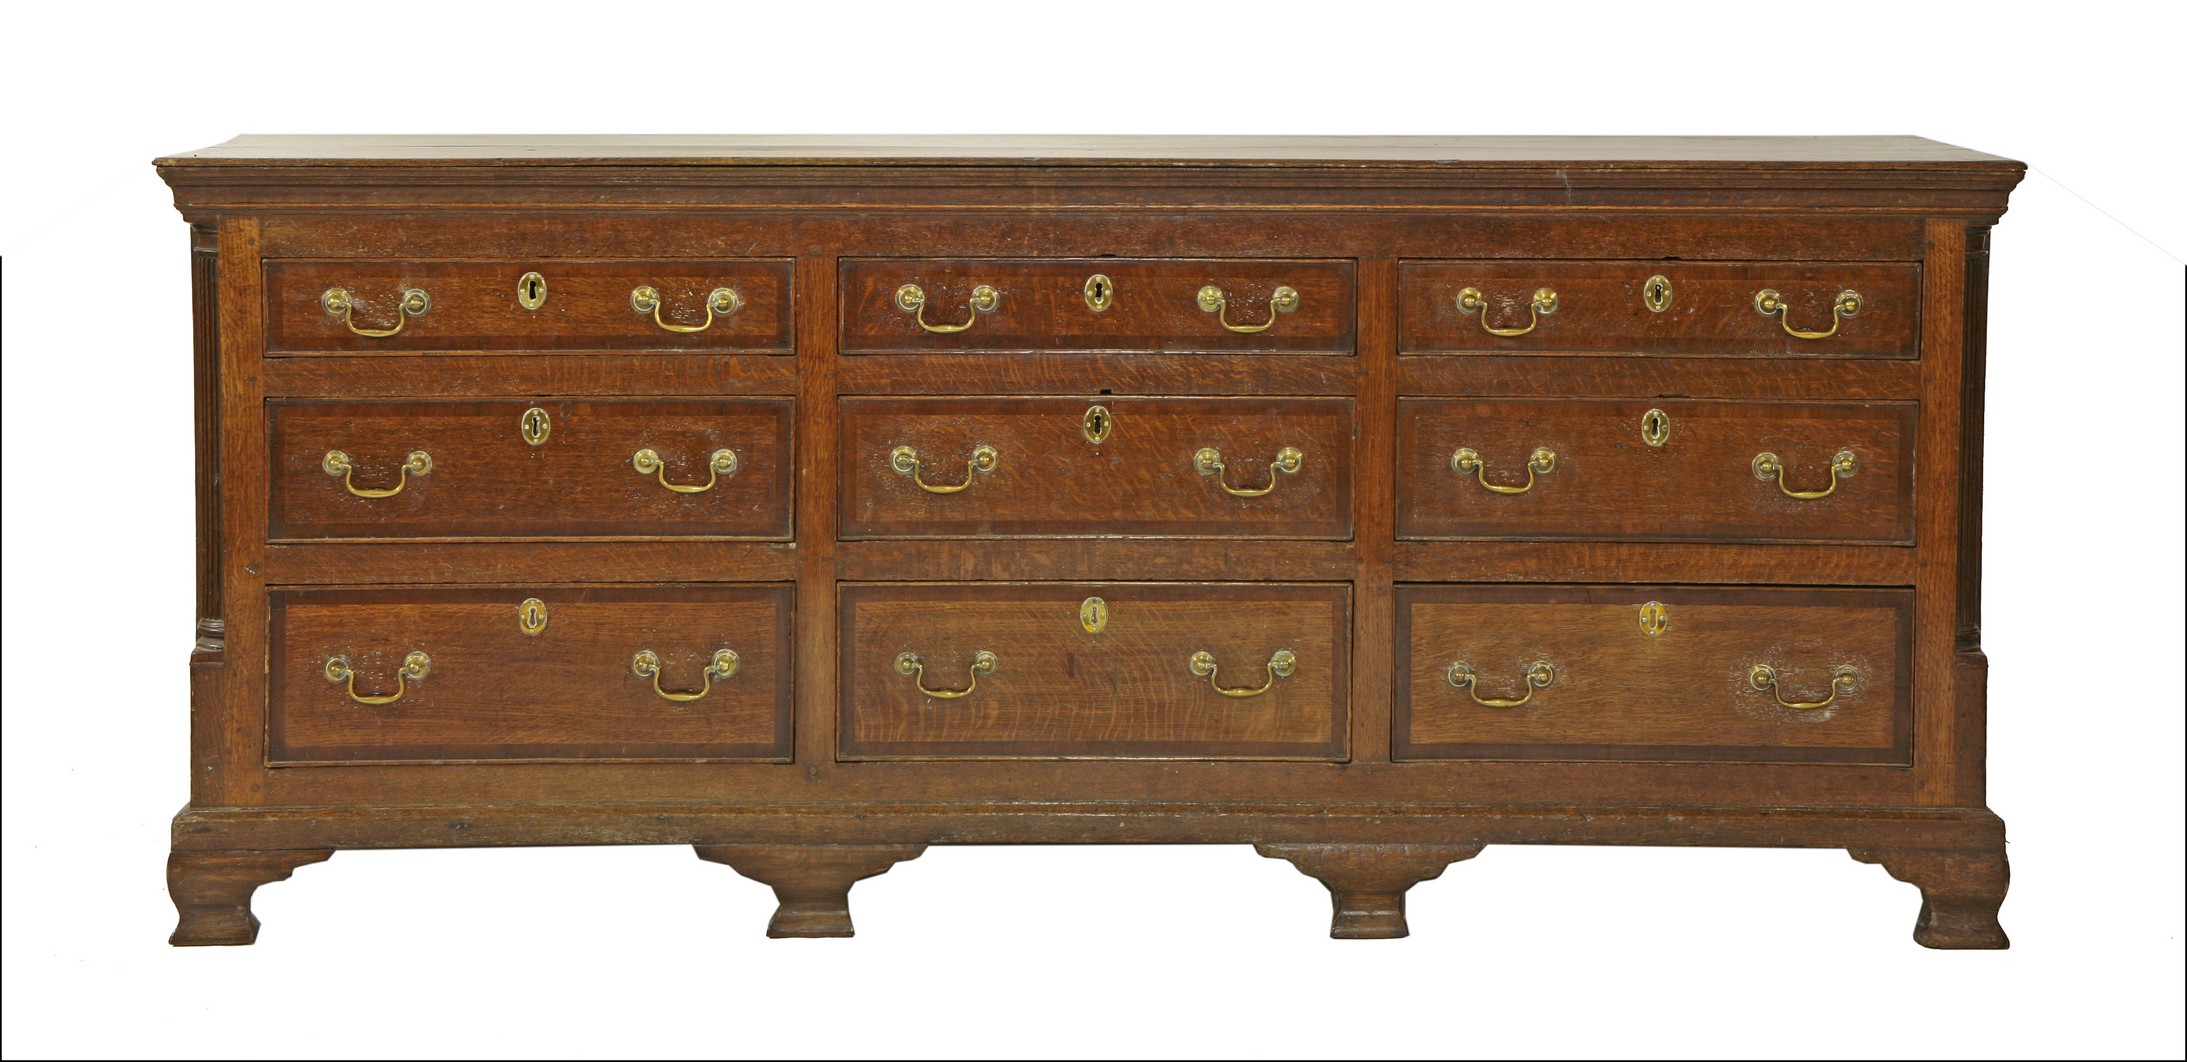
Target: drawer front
(909, 305)
(1707, 308)
(489, 679)
(1280, 468)
(483, 476)
(1791, 676)
(482, 306)
(1095, 671)
(1656, 470)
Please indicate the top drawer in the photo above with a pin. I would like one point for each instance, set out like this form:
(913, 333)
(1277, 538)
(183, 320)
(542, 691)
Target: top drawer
(356, 307)
(904, 305)
(1861, 309)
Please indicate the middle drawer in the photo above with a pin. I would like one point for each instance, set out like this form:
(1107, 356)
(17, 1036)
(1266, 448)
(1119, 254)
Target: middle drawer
(1188, 467)
(512, 469)
(1095, 671)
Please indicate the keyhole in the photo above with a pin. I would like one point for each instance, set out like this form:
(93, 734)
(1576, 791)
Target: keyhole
(531, 288)
(531, 291)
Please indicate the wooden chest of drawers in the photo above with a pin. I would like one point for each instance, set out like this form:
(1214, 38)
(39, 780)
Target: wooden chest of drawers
(813, 501)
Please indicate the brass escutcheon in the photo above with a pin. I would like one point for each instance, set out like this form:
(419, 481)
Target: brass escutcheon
(1655, 618)
(1656, 293)
(1100, 293)
(535, 425)
(1093, 614)
(1096, 424)
(531, 291)
(531, 616)
(1655, 427)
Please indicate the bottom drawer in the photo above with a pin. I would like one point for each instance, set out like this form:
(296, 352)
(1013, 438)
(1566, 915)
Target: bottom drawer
(1095, 671)
(623, 673)
(1654, 673)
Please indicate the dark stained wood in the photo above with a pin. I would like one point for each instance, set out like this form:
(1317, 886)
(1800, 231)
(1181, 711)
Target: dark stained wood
(474, 306)
(812, 881)
(1108, 746)
(495, 692)
(487, 480)
(1608, 483)
(1682, 694)
(1367, 883)
(1960, 892)
(1600, 308)
(1142, 479)
(212, 891)
(1042, 306)
(1060, 691)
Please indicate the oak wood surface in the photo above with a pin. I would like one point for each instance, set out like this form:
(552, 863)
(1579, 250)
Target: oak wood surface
(1600, 307)
(1042, 305)
(1617, 692)
(1141, 479)
(488, 480)
(473, 306)
(1607, 482)
(1060, 690)
(495, 692)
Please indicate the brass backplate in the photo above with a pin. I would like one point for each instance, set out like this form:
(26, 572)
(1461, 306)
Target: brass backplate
(1093, 614)
(1097, 424)
(1656, 293)
(535, 426)
(1100, 293)
(1655, 618)
(531, 291)
(1655, 427)
(531, 616)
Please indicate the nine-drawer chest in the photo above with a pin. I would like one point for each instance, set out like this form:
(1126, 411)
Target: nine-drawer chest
(814, 500)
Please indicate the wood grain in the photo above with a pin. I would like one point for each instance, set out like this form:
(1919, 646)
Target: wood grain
(1600, 308)
(1061, 691)
(1142, 480)
(1042, 306)
(1608, 483)
(495, 692)
(1618, 693)
(488, 481)
(474, 306)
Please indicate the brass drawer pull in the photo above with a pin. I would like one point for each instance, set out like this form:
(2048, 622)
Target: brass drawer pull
(415, 667)
(1543, 303)
(1285, 299)
(337, 303)
(1770, 304)
(647, 665)
(1209, 462)
(1280, 665)
(1768, 466)
(722, 462)
(1842, 680)
(911, 299)
(338, 464)
(724, 302)
(1467, 462)
(1538, 677)
(906, 462)
(983, 663)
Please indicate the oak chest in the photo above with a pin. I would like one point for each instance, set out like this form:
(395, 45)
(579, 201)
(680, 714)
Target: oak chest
(811, 501)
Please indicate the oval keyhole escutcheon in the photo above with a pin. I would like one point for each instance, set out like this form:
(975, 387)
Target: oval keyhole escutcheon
(1100, 293)
(531, 291)
(535, 426)
(1093, 614)
(1097, 424)
(1655, 427)
(1657, 293)
(531, 616)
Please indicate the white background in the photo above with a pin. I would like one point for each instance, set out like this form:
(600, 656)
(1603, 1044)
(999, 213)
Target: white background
(1099, 951)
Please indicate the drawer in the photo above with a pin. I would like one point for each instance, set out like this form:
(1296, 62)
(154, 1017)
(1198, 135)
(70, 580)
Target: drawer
(649, 467)
(1095, 671)
(1656, 470)
(1201, 467)
(545, 673)
(909, 305)
(1521, 307)
(482, 306)
(1654, 673)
